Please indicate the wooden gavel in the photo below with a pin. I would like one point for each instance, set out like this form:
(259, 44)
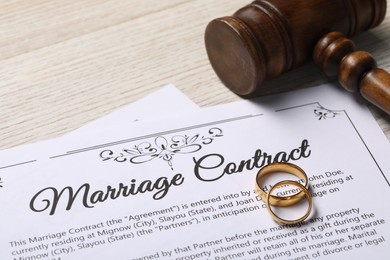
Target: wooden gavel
(269, 37)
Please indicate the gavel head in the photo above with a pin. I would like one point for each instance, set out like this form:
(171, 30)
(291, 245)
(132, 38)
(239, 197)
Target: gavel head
(269, 37)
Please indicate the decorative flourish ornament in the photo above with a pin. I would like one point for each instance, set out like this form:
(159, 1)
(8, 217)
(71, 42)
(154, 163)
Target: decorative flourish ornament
(162, 148)
(324, 113)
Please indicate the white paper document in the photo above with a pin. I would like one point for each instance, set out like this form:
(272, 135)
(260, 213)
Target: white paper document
(185, 189)
(163, 103)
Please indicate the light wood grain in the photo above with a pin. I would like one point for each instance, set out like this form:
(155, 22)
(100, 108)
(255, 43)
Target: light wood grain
(65, 63)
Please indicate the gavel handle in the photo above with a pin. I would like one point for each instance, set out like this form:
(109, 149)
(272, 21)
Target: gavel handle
(375, 87)
(357, 70)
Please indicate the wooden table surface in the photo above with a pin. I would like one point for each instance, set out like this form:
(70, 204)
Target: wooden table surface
(64, 63)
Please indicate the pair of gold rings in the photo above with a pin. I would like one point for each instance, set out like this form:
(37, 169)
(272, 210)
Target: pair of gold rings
(284, 201)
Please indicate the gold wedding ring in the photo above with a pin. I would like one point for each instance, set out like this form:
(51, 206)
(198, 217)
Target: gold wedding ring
(304, 190)
(281, 201)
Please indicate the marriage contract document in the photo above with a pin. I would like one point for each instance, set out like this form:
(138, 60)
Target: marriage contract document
(185, 188)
